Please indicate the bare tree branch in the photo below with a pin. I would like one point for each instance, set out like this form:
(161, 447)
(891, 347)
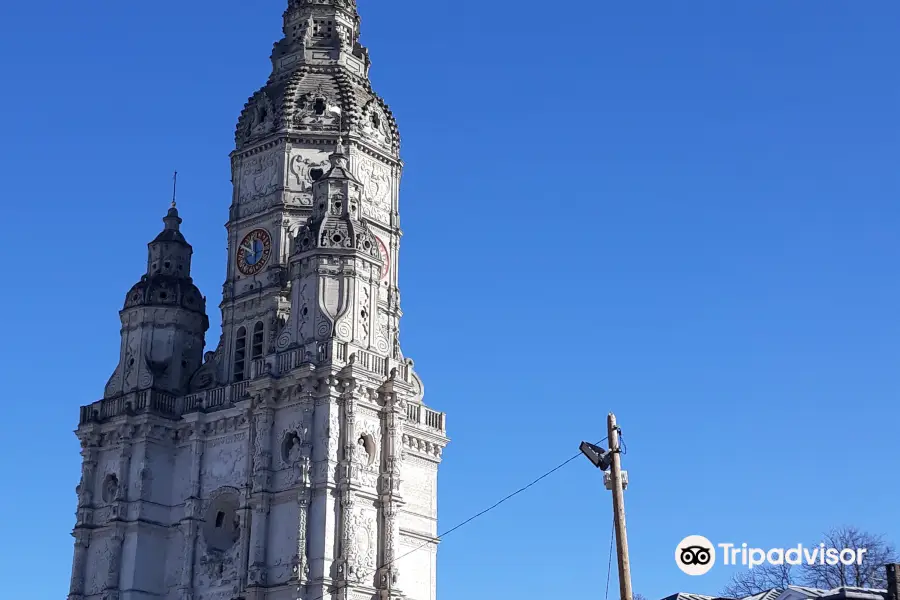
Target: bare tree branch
(869, 574)
(759, 579)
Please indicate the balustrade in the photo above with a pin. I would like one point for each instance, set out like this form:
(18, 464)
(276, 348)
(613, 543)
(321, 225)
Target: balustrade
(222, 397)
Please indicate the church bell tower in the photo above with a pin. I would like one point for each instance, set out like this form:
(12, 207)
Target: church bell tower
(296, 459)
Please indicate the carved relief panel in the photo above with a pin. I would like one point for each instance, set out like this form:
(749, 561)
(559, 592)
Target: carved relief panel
(305, 166)
(378, 188)
(314, 110)
(257, 180)
(362, 546)
(224, 461)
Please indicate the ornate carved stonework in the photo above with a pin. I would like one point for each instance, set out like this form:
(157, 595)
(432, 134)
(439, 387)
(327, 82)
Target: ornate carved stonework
(259, 176)
(271, 464)
(377, 188)
(361, 549)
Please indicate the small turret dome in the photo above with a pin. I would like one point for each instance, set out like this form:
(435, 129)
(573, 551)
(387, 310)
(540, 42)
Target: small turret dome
(166, 290)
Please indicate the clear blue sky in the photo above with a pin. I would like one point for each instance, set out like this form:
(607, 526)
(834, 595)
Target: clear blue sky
(685, 212)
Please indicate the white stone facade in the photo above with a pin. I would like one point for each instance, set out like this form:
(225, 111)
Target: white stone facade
(297, 459)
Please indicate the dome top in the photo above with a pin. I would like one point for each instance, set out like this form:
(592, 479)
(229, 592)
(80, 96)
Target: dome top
(319, 100)
(166, 291)
(171, 231)
(167, 282)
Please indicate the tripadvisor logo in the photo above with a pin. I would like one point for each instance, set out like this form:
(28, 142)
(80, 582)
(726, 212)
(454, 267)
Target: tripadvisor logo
(696, 555)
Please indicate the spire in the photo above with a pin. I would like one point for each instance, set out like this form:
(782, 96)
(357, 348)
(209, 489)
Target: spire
(172, 222)
(340, 164)
(153, 357)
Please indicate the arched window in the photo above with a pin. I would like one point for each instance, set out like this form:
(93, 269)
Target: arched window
(257, 349)
(240, 351)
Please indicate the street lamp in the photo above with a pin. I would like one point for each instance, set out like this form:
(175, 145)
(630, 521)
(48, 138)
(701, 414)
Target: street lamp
(614, 479)
(600, 458)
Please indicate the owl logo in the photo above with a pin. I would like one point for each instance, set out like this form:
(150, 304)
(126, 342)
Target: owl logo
(695, 555)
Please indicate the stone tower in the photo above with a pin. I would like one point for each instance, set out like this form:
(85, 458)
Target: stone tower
(296, 460)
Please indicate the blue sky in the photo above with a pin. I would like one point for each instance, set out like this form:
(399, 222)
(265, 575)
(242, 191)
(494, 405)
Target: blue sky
(684, 212)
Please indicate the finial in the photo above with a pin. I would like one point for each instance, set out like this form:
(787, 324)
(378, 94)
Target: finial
(172, 220)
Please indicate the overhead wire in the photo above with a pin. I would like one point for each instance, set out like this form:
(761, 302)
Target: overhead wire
(467, 521)
(612, 532)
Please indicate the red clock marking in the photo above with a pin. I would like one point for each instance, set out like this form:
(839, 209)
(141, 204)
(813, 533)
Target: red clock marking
(386, 269)
(254, 251)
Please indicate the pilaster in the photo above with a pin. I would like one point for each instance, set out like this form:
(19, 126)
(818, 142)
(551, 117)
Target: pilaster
(260, 499)
(393, 396)
(76, 585)
(114, 570)
(190, 524)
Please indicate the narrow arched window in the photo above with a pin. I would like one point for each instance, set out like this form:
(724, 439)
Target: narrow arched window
(257, 350)
(240, 352)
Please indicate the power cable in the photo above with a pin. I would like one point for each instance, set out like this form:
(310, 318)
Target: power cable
(470, 519)
(612, 533)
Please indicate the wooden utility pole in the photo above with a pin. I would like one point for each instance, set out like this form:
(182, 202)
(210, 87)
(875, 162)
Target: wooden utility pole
(615, 474)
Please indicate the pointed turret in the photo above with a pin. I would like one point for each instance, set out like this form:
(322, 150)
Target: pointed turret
(336, 222)
(164, 319)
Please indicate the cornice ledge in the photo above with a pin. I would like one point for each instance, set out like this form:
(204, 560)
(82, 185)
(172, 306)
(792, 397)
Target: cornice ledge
(425, 537)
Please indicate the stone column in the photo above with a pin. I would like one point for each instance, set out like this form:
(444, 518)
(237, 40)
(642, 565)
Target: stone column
(346, 564)
(84, 516)
(86, 486)
(301, 570)
(189, 530)
(192, 516)
(114, 569)
(303, 479)
(76, 583)
(120, 514)
(391, 502)
(124, 469)
(85, 490)
(262, 459)
(257, 574)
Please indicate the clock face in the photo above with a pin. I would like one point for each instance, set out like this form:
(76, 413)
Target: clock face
(253, 252)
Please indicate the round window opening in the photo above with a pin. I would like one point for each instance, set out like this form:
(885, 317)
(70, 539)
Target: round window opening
(221, 526)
